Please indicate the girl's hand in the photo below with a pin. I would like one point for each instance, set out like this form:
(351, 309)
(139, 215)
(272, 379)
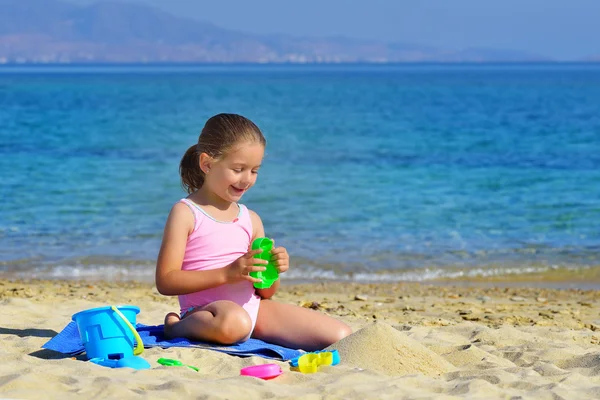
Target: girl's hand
(280, 257)
(240, 269)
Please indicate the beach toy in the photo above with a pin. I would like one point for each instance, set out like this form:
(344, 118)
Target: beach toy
(335, 357)
(169, 362)
(109, 336)
(271, 274)
(264, 371)
(309, 363)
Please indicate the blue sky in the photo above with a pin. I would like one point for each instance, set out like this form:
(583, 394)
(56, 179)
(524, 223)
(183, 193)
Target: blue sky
(561, 29)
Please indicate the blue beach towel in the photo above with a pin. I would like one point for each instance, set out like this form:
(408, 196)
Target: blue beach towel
(68, 342)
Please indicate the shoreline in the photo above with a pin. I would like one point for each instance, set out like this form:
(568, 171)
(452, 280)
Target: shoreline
(509, 275)
(392, 302)
(559, 278)
(410, 340)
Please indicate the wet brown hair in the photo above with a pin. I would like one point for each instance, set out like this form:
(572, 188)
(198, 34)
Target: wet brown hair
(219, 135)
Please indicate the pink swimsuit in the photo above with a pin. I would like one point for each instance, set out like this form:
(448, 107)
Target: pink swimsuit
(214, 244)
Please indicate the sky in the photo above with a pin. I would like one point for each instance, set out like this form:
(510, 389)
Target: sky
(559, 29)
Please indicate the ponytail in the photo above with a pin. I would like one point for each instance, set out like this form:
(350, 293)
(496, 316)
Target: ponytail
(192, 177)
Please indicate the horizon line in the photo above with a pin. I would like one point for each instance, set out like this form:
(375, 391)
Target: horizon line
(287, 63)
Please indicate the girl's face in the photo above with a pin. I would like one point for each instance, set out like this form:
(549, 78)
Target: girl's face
(231, 176)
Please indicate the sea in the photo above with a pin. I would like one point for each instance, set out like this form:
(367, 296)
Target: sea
(372, 173)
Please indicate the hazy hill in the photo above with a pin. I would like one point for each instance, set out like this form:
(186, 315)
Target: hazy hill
(111, 31)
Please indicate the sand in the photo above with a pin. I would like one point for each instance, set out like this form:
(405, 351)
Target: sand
(410, 341)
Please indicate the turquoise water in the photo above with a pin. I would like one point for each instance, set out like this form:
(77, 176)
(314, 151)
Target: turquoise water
(372, 172)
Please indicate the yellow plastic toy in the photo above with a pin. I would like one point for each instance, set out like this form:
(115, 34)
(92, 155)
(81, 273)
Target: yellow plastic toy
(309, 363)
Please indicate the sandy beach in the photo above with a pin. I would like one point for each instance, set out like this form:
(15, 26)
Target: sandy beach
(410, 341)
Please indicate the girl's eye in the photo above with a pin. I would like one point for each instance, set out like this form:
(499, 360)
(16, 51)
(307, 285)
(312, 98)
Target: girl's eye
(238, 170)
(255, 172)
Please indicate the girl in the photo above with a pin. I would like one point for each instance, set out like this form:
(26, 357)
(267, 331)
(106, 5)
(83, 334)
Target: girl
(205, 256)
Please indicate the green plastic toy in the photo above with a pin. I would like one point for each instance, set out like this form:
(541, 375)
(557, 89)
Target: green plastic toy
(169, 362)
(271, 274)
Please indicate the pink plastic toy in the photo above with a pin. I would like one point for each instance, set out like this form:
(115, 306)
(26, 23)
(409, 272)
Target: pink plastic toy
(264, 371)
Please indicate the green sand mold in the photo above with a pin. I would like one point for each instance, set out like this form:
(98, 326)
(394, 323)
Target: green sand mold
(170, 362)
(271, 274)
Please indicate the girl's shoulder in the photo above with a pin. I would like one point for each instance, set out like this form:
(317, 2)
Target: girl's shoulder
(193, 210)
(186, 203)
(256, 227)
(252, 214)
(180, 216)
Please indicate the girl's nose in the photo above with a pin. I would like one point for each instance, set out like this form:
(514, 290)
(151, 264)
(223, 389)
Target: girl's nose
(247, 179)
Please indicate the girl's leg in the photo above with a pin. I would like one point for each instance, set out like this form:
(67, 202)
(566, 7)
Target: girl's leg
(297, 327)
(222, 321)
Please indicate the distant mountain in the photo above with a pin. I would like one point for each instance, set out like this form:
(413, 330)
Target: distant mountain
(51, 31)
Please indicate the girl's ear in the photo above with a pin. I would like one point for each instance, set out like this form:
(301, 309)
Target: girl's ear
(205, 160)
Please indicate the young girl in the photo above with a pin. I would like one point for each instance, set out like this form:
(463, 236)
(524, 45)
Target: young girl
(206, 257)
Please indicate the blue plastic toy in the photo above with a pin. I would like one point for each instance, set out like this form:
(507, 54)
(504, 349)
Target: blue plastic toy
(108, 334)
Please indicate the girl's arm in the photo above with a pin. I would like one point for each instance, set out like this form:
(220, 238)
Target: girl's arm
(170, 279)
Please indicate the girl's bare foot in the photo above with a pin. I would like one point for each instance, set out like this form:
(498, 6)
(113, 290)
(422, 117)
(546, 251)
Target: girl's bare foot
(170, 320)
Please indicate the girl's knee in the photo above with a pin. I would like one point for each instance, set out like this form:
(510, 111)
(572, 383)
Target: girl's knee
(234, 327)
(340, 332)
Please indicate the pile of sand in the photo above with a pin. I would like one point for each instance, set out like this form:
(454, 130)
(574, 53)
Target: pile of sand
(382, 348)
